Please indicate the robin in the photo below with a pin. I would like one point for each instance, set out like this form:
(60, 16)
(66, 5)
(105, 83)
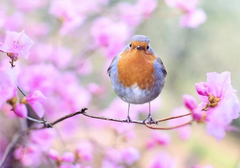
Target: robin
(137, 74)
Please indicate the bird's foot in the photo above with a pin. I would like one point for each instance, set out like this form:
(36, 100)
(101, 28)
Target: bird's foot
(150, 120)
(128, 119)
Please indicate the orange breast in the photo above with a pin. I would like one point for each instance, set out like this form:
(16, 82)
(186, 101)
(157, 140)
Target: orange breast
(136, 66)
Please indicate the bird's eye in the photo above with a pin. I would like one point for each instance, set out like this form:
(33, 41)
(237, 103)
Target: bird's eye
(147, 47)
(130, 45)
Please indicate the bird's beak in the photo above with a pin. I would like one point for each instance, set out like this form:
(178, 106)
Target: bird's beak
(139, 48)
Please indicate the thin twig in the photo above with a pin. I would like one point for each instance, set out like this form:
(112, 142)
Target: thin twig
(35, 120)
(112, 119)
(174, 117)
(168, 128)
(9, 147)
(132, 121)
(50, 125)
(24, 94)
(69, 116)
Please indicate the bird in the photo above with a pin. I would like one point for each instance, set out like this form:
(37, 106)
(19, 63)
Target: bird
(137, 74)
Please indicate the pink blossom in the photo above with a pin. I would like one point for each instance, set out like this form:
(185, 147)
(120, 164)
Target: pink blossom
(113, 155)
(84, 151)
(189, 101)
(130, 155)
(7, 85)
(130, 13)
(110, 35)
(68, 157)
(193, 19)
(43, 138)
(29, 156)
(53, 154)
(108, 164)
(42, 30)
(95, 88)
(185, 131)
(33, 99)
(67, 12)
(147, 7)
(84, 67)
(15, 21)
(21, 110)
(16, 45)
(162, 160)
(72, 166)
(61, 57)
(201, 88)
(3, 18)
(221, 105)
(39, 77)
(157, 138)
(68, 166)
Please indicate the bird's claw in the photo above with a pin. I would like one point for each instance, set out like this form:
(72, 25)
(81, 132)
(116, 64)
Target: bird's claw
(128, 119)
(150, 120)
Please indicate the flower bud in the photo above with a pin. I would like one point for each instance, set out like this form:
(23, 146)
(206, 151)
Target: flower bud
(53, 154)
(202, 88)
(189, 101)
(68, 157)
(21, 110)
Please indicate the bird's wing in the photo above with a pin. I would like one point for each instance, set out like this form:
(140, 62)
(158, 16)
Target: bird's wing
(163, 67)
(110, 66)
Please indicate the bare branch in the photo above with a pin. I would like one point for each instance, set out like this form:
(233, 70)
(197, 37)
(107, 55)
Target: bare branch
(168, 128)
(9, 147)
(83, 112)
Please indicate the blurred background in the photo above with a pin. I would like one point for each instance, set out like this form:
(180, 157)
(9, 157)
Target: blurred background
(74, 43)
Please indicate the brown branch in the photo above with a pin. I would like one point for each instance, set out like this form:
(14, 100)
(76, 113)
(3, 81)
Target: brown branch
(83, 112)
(69, 116)
(9, 147)
(112, 119)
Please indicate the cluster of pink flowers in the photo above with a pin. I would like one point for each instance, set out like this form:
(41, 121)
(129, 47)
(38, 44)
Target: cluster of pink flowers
(193, 17)
(219, 103)
(38, 142)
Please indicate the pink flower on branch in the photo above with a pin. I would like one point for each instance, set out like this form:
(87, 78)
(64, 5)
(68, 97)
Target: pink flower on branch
(16, 45)
(21, 110)
(219, 105)
(34, 100)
